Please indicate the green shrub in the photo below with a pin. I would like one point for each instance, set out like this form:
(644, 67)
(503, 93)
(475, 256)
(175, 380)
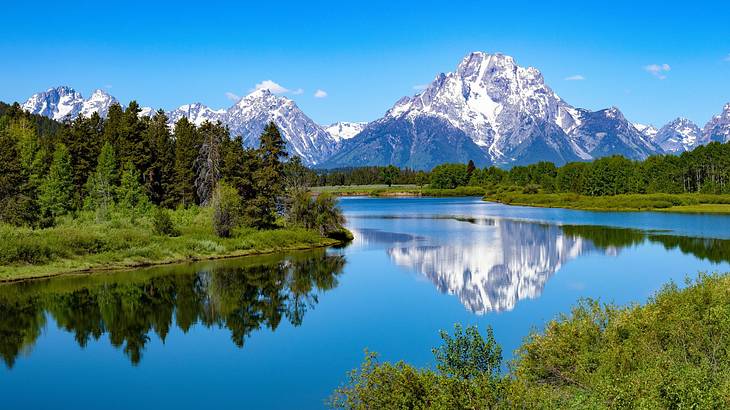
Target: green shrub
(226, 209)
(162, 224)
(531, 189)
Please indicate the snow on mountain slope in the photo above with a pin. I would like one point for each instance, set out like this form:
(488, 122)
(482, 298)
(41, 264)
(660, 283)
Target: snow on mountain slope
(196, 113)
(678, 136)
(718, 128)
(304, 137)
(490, 98)
(344, 130)
(57, 103)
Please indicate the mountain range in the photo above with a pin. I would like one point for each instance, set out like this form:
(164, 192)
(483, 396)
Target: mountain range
(489, 110)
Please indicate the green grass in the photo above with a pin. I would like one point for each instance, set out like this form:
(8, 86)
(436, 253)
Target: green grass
(398, 190)
(686, 203)
(122, 242)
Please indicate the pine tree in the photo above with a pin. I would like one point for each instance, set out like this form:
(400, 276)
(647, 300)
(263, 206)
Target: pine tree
(261, 211)
(57, 188)
(208, 162)
(101, 184)
(187, 147)
(131, 144)
(131, 194)
(83, 138)
(11, 179)
(159, 176)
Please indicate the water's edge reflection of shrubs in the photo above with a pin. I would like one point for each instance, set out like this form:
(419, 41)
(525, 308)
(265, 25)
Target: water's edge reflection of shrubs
(672, 352)
(239, 295)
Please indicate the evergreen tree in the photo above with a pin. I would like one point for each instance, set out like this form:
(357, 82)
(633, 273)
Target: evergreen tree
(11, 179)
(57, 188)
(101, 184)
(131, 194)
(187, 148)
(208, 162)
(132, 145)
(261, 211)
(159, 176)
(83, 138)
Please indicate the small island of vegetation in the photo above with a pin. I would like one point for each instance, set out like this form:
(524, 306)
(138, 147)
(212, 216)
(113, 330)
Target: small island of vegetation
(126, 191)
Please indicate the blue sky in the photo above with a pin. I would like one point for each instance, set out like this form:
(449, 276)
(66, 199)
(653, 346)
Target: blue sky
(653, 60)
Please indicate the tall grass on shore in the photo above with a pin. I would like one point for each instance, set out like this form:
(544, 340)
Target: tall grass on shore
(123, 240)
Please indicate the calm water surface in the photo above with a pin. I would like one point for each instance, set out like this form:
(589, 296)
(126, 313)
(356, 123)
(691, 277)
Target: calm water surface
(281, 331)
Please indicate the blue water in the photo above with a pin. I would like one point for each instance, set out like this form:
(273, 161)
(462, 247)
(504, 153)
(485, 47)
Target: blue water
(416, 266)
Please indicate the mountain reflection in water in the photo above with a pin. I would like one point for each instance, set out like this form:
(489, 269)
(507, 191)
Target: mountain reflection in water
(513, 260)
(241, 295)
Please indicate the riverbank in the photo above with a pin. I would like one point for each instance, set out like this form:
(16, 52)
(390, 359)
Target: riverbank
(84, 244)
(398, 191)
(680, 203)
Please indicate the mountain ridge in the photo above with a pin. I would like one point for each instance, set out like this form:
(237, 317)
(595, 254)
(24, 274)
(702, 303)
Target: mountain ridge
(489, 110)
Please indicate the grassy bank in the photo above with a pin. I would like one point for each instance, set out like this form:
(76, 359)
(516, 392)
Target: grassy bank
(686, 203)
(670, 353)
(120, 241)
(398, 190)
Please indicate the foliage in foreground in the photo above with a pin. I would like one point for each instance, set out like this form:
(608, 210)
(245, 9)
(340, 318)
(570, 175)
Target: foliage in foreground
(672, 352)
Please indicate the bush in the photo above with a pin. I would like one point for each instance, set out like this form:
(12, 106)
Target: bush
(321, 213)
(226, 209)
(162, 224)
(467, 377)
(531, 189)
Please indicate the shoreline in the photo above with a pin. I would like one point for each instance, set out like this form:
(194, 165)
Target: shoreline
(120, 267)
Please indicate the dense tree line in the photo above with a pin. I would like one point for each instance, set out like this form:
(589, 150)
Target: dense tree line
(706, 169)
(374, 175)
(130, 162)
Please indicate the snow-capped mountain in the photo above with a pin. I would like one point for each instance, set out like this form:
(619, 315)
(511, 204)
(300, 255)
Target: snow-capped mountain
(196, 113)
(492, 111)
(62, 103)
(718, 128)
(607, 132)
(647, 130)
(57, 103)
(344, 130)
(678, 136)
(99, 102)
(247, 118)
(304, 137)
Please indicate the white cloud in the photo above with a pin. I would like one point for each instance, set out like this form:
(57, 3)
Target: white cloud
(233, 97)
(658, 70)
(420, 87)
(298, 91)
(576, 77)
(272, 86)
(320, 94)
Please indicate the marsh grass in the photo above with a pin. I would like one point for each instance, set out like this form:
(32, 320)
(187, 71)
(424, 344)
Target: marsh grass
(687, 203)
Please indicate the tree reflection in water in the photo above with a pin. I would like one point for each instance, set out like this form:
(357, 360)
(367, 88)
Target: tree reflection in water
(241, 295)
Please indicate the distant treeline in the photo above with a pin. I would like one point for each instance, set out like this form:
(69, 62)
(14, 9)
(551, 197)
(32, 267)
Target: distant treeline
(706, 169)
(373, 175)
